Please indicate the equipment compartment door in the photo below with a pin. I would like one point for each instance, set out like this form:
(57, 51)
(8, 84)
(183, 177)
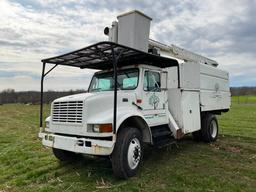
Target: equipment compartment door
(190, 111)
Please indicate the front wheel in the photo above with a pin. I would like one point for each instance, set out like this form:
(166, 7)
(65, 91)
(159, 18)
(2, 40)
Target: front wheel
(127, 155)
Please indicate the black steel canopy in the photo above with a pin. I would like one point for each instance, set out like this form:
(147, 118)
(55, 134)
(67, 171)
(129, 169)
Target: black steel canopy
(100, 56)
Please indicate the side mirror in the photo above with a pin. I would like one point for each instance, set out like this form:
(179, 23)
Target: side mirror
(164, 80)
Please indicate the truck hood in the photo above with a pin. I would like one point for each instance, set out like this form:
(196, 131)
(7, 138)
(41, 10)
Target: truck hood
(104, 98)
(76, 97)
(85, 96)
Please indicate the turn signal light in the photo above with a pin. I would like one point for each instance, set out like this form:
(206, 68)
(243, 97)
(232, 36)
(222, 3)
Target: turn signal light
(103, 128)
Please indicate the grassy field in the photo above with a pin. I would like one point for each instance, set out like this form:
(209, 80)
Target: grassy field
(226, 165)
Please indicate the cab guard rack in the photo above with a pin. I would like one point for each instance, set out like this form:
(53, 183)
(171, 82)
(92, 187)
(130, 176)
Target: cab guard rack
(102, 56)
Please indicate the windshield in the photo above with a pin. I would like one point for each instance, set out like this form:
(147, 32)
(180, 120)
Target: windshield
(126, 80)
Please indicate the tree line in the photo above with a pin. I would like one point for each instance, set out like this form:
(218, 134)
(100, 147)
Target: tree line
(239, 91)
(33, 97)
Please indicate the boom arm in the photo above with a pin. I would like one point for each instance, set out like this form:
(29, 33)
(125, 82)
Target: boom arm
(180, 53)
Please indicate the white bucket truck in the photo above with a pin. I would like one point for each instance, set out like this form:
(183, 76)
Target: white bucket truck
(144, 92)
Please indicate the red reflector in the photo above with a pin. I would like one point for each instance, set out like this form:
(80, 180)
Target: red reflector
(139, 100)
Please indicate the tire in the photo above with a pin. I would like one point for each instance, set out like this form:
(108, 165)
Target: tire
(209, 128)
(63, 155)
(197, 135)
(128, 152)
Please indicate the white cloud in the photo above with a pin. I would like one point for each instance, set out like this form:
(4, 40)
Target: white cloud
(218, 29)
(29, 35)
(31, 31)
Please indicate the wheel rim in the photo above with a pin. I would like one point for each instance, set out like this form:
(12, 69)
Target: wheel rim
(213, 129)
(134, 153)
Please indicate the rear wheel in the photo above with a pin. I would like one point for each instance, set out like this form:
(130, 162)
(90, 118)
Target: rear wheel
(63, 155)
(210, 128)
(127, 155)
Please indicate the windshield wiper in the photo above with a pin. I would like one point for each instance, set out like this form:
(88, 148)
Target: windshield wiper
(96, 89)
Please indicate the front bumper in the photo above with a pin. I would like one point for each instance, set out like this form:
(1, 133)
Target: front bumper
(77, 145)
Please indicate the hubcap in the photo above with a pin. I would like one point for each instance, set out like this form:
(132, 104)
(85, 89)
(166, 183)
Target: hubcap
(213, 129)
(134, 153)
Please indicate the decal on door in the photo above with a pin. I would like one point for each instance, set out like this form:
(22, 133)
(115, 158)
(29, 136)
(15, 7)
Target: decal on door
(154, 101)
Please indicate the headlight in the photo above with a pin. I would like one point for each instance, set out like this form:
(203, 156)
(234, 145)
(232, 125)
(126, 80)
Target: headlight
(47, 124)
(96, 128)
(102, 128)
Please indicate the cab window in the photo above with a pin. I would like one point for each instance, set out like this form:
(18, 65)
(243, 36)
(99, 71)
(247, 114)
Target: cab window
(152, 81)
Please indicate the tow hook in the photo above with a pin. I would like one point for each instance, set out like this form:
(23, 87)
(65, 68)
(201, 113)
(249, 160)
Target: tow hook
(80, 142)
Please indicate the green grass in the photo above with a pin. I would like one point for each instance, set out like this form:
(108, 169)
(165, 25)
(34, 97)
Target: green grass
(248, 99)
(226, 165)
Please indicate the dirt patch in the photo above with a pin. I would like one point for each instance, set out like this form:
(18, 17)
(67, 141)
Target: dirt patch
(232, 149)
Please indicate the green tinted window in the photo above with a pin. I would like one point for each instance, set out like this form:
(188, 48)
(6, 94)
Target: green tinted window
(130, 82)
(126, 80)
(104, 84)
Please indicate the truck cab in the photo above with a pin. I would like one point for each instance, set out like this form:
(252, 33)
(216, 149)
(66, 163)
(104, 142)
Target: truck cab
(87, 118)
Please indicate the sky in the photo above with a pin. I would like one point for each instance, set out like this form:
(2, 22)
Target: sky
(31, 30)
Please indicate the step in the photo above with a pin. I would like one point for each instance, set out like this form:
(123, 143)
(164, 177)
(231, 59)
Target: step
(161, 133)
(160, 128)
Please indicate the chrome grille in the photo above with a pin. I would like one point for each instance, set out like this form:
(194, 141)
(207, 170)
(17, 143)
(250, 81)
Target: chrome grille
(68, 112)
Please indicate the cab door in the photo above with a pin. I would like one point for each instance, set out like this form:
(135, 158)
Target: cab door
(154, 98)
